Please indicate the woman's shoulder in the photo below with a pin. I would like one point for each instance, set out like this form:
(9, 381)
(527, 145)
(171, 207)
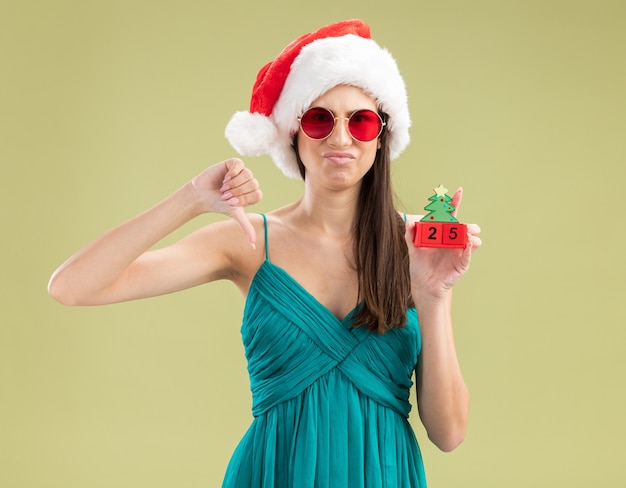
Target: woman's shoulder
(224, 247)
(276, 221)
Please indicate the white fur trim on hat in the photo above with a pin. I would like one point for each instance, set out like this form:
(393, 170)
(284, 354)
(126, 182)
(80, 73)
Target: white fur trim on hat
(251, 134)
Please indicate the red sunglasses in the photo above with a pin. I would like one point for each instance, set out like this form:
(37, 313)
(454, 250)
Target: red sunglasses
(318, 123)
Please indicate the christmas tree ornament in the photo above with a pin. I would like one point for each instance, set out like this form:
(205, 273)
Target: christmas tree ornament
(439, 228)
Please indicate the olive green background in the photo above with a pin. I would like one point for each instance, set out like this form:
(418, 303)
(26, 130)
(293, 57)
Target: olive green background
(108, 106)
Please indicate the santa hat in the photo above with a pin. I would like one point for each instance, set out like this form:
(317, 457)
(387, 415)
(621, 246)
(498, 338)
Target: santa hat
(337, 54)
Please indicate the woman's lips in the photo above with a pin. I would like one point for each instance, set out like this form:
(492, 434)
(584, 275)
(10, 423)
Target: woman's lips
(339, 158)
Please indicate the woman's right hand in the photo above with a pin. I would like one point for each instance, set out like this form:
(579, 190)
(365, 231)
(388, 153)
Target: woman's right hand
(227, 188)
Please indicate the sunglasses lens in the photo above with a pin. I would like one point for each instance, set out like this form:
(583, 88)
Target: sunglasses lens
(317, 123)
(365, 125)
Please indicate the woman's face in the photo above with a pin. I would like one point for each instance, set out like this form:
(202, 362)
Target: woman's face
(339, 160)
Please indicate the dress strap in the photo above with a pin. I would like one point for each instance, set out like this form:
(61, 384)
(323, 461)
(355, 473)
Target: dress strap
(266, 242)
(405, 217)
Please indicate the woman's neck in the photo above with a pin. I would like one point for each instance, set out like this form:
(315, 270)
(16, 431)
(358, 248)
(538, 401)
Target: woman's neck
(330, 212)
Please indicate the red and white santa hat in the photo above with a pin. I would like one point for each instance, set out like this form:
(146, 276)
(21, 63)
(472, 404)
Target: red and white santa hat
(337, 54)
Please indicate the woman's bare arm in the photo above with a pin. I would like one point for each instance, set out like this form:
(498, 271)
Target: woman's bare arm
(118, 266)
(443, 397)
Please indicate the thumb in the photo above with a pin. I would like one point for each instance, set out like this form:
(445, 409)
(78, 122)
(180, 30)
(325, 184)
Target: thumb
(456, 200)
(409, 231)
(241, 217)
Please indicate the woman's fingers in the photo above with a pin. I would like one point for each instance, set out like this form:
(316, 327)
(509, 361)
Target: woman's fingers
(239, 186)
(473, 234)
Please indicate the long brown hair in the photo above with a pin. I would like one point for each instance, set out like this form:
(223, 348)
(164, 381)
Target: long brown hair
(380, 251)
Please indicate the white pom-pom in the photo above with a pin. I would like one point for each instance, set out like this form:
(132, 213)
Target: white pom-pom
(251, 134)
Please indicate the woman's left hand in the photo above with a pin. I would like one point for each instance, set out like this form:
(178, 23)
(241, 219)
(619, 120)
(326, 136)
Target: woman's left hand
(435, 271)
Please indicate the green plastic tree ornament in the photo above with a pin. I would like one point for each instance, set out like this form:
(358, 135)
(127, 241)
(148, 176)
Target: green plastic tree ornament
(439, 228)
(440, 208)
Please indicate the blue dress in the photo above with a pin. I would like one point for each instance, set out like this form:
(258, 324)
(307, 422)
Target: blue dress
(330, 401)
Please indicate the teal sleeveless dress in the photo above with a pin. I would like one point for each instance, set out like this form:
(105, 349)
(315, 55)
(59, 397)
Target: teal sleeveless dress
(330, 401)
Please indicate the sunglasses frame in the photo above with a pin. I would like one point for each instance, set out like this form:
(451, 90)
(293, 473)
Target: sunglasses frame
(335, 119)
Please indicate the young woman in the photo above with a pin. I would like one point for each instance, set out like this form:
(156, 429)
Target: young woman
(333, 283)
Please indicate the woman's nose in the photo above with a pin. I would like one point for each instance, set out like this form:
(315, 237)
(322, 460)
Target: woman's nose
(340, 136)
